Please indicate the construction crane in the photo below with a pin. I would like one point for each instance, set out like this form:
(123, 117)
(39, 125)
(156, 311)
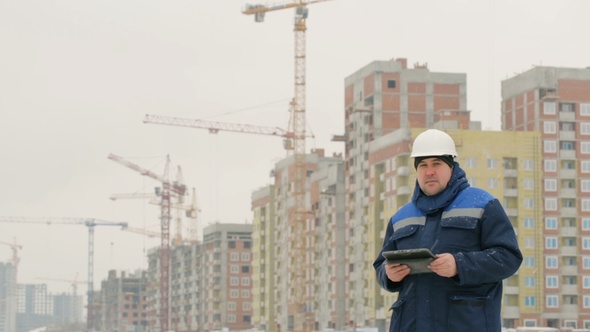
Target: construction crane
(190, 212)
(298, 289)
(88, 222)
(168, 188)
(74, 283)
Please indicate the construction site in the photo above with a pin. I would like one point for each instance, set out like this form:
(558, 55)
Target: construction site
(302, 259)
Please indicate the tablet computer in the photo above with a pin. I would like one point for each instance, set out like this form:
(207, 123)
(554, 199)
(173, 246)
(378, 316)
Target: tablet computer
(417, 259)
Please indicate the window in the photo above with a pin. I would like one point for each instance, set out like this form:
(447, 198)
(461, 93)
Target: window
(568, 164)
(234, 269)
(567, 107)
(234, 256)
(234, 281)
(234, 293)
(529, 242)
(584, 109)
(231, 306)
(550, 185)
(231, 244)
(585, 128)
(245, 269)
(529, 301)
(586, 282)
(492, 163)
(529, 262)
(549, 108)
(549, 127)
(550, 223)
(585, 204)
(586, 243)
(529, 281)
(586, 299)
(549, 146)
(585, 147)
(492, 183)
(550, 204)
(585, 224)
(528, 184)
(231, 318)
(470, 163)
(586, 263)
(245, 256)
(585, 185)
(585, 165)
(568, 203)
(567, 145)
(245, 281)
(245, 293)
(551, 262)
(391, 84)
(529, 222)
(551, 242)
(550, 165)
(528, 165)
(552, 301)
(552, 282)
(567, 126)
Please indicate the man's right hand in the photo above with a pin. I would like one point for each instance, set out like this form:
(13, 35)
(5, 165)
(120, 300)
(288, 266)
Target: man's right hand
(396, 272)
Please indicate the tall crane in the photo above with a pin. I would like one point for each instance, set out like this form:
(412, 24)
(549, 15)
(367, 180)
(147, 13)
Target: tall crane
(298, 289)
(88, 222)
(168, 188)
(190, 211)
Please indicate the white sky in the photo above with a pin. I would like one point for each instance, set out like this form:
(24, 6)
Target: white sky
(77, 78)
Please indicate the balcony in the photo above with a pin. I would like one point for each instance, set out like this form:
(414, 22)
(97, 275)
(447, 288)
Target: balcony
(567, 116)
(568, 193)
(511, 212)
(403, 171)
(569, 289)
(567, 135)
(567, 173)
(510, 173)
(511, 290)
(405, 190)
(567, 154)
(568, 212)
(510, 192)
(511, 312)
(571, 309)
(568, 231)
(568, 251)
(569, 270)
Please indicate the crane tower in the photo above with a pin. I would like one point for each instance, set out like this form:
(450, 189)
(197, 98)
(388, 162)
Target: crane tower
(298, 289)
(168, 189)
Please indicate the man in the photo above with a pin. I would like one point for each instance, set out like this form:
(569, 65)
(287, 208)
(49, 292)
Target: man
(471, 236)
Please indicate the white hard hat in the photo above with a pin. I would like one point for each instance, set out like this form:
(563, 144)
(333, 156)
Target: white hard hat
(433, 142)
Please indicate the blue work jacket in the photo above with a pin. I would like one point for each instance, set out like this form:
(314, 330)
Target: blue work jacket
(471, 225)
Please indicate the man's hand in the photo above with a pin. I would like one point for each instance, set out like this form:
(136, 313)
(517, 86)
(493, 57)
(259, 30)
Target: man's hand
(396, 272)
(444, 265)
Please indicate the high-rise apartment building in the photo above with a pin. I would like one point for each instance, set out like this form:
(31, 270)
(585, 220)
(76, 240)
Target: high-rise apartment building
(36, 308)
(556, 102)
(226, 299)
(8, 297)
(324, 240)
(122, 302)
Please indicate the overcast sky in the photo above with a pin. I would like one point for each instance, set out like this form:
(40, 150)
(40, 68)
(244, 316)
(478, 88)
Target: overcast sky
(78, 77)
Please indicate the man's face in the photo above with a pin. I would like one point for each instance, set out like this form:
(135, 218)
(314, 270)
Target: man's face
(433, 175)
